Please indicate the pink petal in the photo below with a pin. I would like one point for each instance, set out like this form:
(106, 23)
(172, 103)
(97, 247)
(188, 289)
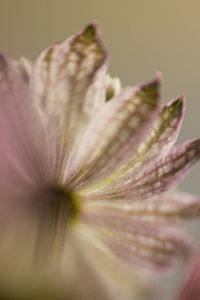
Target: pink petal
(161, 140)
(116, 131)
(157, 144)
(69, 85)
(23, 149)
(168, 208)
(191, 289)
(139, 242)
(24, 67)
(166, 173)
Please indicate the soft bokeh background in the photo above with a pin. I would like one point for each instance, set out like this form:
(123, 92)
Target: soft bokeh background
(143, 36)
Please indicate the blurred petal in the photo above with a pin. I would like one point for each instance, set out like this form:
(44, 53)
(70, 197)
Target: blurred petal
(116, 131)
(69, 84)
(113, 87)
(191, 290)
(137, 241)
(24, 67)
(170, 208)
(23, 149)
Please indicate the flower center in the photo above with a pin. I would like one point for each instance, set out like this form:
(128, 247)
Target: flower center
(58, 209)
(61, 203)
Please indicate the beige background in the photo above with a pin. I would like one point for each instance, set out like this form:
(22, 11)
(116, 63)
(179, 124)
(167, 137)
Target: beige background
(143, 36)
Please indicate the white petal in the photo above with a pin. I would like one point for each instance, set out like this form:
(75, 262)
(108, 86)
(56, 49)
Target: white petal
(68, 83)
(23, 150)
(115, 132)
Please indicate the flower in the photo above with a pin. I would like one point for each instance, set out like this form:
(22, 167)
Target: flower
(87, 165)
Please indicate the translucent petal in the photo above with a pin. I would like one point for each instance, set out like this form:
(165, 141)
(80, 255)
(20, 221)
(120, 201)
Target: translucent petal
(165, 174)
(157, 144)
(116, 131)
(23, 148)
(122, 282)
(69, 84)
(169, 208)
(139, 242)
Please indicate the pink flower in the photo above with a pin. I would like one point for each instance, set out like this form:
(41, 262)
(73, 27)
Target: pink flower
(90, 163)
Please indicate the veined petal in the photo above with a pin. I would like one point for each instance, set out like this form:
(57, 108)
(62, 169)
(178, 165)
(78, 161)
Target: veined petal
(165, 174)
(69, 83)
(170, 208)
(116, 131)
(124, 283)
(158, 143)
(140, 242)
(23, 148)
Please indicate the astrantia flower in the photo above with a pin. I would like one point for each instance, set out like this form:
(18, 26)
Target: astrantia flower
(88, 164)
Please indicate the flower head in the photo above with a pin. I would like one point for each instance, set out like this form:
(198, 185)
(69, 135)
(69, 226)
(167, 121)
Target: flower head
(91, 163)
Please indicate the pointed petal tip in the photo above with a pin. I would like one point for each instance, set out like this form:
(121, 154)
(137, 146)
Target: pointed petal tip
(194, 142)
(91, 33)
(152, 89)
(180, 99)
(192, 147)
(159, 76)
(157, 81)
(176, 108)
(92, 26)
(179, 104)
(153, 85)
(3, 62)
(197, 147)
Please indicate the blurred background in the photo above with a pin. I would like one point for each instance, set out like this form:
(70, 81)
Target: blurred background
(142, 37)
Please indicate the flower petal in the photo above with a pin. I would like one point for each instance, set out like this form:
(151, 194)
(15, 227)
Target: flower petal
(25, 67)
(165, 174)
(157, 250)
(157, 144)
(116, 131)
(69, 83)
(191, 288)
(113, 87)
(23, 148)
(170, 208)
(140, 242)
